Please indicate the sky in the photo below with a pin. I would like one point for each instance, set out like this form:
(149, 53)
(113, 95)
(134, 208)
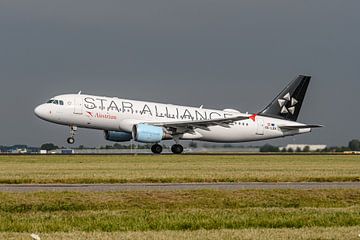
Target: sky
(220, 54)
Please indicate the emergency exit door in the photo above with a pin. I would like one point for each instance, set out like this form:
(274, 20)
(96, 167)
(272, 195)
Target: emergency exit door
(78, 104)
(260, 127)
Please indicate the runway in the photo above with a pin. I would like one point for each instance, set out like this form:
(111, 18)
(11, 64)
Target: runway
(174, 186)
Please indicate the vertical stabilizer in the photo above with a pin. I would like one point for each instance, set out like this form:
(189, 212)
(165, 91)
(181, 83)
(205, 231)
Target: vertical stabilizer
(288, 103)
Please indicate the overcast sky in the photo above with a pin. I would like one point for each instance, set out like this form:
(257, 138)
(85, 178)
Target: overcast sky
(222, 54)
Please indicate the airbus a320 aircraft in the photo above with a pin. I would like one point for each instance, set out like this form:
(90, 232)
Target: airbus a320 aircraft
(148, 122)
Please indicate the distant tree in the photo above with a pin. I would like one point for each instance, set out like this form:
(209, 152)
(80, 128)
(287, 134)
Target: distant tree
(119, 146)
(48, 147)
(337, 149)
(227, 145)
(306, 149)
(290, 150)
(331, 149)
(269, 148)
(106, 147)
(193, 144)
(283, 149)
(354, 145)
(343, 149)
(298, 149)
(325, 150)
(81, 147)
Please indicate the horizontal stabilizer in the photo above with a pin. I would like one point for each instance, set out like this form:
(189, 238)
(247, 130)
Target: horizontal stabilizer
(294, 127)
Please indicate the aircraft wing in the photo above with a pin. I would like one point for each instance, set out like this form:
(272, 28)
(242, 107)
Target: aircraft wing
(188, 126)
(295, 127)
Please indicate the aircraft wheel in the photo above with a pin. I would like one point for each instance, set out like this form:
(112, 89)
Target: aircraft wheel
(177, 149)
(157, 149)
(71, 140)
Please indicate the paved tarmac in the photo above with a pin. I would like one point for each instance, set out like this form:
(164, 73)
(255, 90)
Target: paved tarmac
(174, 186)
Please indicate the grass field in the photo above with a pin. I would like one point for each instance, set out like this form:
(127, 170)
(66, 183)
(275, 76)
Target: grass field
(318, 233)
(197, 214)
(182, 214)
(170, 168)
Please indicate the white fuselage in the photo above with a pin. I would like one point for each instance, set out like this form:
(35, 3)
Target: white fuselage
(115, 114)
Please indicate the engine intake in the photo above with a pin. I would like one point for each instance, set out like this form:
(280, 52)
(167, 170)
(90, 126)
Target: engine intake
(117, 136)
(149, 134)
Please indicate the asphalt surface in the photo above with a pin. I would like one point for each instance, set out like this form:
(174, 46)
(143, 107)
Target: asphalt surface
(174, 186)
(190, 154)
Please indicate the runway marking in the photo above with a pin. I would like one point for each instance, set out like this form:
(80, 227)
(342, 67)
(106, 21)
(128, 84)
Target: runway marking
(176, 186)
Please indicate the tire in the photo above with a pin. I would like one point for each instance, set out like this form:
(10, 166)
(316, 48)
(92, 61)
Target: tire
(157, 149)
(177, 149)
(70, 140)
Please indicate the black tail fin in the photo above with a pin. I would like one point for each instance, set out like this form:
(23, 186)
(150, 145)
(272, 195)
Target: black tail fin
(288, 103)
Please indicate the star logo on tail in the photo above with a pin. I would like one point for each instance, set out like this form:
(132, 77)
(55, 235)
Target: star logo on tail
(285, 107)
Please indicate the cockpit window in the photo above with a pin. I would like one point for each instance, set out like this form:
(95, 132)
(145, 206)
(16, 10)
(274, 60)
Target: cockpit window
(57, 102)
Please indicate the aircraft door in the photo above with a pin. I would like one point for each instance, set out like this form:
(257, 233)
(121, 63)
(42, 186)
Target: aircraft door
(78, 104)
(260, 126)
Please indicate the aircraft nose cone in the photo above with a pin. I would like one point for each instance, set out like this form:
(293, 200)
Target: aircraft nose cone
(40, 111)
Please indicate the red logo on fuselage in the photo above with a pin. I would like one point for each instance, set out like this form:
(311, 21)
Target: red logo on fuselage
(103, 116)
(253, 117)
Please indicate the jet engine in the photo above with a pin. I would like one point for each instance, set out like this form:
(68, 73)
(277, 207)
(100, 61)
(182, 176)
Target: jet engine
(149, 134)
(117, 136)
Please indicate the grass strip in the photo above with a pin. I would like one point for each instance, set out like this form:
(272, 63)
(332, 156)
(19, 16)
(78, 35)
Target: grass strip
(200, 199)
(330, 233)
(183, 168)
(48, 212)
(189, 219)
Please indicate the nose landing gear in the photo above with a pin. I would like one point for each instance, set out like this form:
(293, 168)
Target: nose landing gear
(71, 139)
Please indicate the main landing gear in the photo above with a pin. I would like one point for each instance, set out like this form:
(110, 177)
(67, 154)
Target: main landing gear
(71, 139)
(176, 149)
(157, 149)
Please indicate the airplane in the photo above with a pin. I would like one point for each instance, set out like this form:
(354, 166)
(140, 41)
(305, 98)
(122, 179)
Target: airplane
(124, 120)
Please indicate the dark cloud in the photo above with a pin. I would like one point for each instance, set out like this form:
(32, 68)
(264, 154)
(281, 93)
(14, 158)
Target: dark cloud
(222, 54)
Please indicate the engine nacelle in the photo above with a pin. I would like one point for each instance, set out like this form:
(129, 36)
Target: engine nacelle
(149, 134)
(117, 136)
